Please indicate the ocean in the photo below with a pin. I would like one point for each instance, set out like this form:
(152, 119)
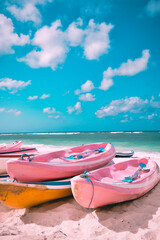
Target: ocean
(122, 141)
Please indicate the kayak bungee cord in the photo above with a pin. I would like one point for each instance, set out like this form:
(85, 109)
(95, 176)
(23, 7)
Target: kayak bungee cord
(86, 176)
(142, 167)
(85, 154)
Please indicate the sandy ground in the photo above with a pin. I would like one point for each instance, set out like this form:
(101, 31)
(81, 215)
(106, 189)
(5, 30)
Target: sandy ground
(65, 219)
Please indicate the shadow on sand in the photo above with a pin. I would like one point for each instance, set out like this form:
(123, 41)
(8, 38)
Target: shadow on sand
(54, 212)
(131, 215)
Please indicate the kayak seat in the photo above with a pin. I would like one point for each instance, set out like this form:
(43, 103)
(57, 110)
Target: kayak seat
(86, 153)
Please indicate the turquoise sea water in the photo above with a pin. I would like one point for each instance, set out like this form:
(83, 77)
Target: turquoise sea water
(138, 141)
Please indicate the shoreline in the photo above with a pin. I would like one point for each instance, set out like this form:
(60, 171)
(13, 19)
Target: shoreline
(64, 132)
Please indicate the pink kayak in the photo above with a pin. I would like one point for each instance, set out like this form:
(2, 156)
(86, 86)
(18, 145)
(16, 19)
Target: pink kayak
(11, 146)
(61, 164)
(115, 183)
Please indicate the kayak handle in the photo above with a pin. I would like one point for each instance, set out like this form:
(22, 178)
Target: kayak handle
(28, 156)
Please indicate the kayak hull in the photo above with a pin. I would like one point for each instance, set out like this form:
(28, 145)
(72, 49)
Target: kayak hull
(55, 166)
(105, 190)
(3, 169)
(19, 195)
(17, 152)
(11, 146)
(121, 154)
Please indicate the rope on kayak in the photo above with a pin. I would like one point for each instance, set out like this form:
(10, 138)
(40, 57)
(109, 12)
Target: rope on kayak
(28, 156)
(86, 176)
(92, 193)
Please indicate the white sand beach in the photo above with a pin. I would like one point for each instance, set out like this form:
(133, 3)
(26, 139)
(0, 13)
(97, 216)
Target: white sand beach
(65, 219)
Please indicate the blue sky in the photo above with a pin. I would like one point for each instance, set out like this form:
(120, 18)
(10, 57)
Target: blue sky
(79, 65)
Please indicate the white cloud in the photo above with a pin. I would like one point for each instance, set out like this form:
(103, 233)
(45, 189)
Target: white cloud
(77, 92)
(130, 68)
(153, 7)
(32, 97)
(8, 38)
(26, 10)
(106, 84)
(50, 110)
(54, 43)
(86, 87)
(14, 111)
(74, 34)
(14, 85)
(56, 117)
(150, 116)
(2, 110)
(53, 48)
(70, 109)
(11, 111)
(124, 120)
(154, 104)
(76, 108)
(94, 39)
(153, 115)
(88, 97)
(132, 104)
(141, 117)
(45, 96)
(97, 40)
(66, 93)
(26, 13)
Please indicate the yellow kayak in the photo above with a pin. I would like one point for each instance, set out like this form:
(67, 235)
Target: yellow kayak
(25, 195)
